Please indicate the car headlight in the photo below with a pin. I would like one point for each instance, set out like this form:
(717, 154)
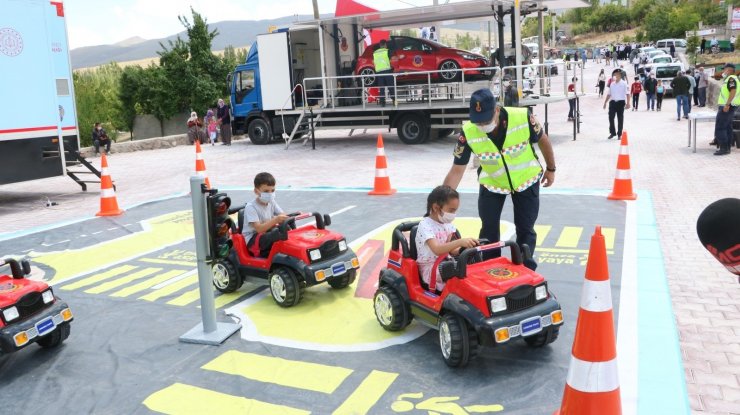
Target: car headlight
(540, 292)
(314, 254)
(469, 56)
(47, 296)
(498, 304)
(342, 245)
(10, 314)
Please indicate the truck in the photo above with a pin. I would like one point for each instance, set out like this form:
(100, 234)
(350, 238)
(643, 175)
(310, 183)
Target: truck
(39, 135)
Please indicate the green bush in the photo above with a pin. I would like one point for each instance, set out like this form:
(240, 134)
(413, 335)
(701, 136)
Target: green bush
(96, 96)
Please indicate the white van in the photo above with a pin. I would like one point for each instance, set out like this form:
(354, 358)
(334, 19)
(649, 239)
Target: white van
(666, 72)
(665, 45)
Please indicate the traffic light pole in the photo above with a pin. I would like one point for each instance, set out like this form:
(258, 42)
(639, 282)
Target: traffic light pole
(209, 331)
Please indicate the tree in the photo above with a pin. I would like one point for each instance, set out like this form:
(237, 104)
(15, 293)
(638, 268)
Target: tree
(97, 100)
(129, 90)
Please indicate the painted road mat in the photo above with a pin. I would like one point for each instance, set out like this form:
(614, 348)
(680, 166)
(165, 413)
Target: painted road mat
(131, 282)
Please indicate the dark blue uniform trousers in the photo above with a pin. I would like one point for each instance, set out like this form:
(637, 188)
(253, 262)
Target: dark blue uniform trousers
(526, 209)
(723, 127)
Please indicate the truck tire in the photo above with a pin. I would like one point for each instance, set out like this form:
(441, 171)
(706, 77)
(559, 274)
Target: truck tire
(390, 310)
(413, 129)
(226, 278)
(457, 340)
(56, 337)
(284, 287)
(259, 132)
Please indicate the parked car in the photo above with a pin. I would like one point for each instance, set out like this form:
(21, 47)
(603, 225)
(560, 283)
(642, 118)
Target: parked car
(661, 59)
(534, 48)
(666, 72)
(409, 55)
(641, 52)
(665, 45)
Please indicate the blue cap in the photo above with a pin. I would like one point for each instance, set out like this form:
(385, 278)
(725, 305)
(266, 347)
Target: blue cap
(482, 103)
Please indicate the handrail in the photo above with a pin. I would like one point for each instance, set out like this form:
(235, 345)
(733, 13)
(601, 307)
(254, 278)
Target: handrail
(282, 107)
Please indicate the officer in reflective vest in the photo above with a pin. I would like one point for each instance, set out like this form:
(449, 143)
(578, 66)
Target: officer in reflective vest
(383, 69)
(727, 103)
(502, 138)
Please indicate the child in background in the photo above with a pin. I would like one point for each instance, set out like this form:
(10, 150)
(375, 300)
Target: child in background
(435, 232)
(635, 92)
(212, 126)
(660, 90)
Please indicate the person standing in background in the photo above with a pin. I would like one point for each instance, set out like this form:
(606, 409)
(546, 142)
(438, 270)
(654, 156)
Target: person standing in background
(659, 92)
(224, 120)
(602, 82)
(692, 87)
(650, 86)
(635, 90)
(618, 99)
(703, 45)
(701, 86)
(680, 85)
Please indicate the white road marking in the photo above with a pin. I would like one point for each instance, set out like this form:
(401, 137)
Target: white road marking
(175, 279)
(112, 229)
(95, 233)
(627, 346)
(340, 211)
(55, 243)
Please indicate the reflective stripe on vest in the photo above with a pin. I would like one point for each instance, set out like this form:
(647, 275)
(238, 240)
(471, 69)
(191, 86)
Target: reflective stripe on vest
(381, 60)
(516, 154)
(724, 93)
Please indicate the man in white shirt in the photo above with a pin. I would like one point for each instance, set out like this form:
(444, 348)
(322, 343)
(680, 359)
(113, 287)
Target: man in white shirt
(618, 99)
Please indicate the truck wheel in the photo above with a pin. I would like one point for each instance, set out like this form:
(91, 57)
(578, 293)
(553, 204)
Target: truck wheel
(543, 338)
(344, 281)
(390, 310)
(259, 132)
(285, 287)
(458, 341)
(413, 129)
(369, 76)
(225, 276)
(56, 337)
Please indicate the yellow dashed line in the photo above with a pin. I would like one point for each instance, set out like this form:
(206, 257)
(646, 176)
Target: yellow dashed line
(569, 237)
(100, 277)
(107, 286)
(610, 234)
(367, 394)
(186, 298)
(169, 262)
(146, 284)
(170, 289)
(542, 231)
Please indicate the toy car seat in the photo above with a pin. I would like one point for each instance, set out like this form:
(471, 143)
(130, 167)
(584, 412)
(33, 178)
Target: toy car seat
(412, 243)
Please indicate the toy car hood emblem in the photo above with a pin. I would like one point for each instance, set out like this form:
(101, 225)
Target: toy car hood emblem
(502, 273)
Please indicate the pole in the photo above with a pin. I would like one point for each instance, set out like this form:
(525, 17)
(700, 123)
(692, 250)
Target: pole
(516, 42)
(501, 45)
(552, 23)
(316, 9)
(208, 331)
(544, 71)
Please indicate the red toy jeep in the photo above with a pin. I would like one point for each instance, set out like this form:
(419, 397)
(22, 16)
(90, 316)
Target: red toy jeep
(305, 256)
(29, 311)
(483, 302)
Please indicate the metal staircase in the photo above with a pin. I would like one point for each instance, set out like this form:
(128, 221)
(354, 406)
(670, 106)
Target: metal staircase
(73, 158)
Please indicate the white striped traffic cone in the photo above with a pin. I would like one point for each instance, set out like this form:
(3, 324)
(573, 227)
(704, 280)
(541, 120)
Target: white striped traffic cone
(623, 181)
(382, 185)
(200, 164)
(108, 201)
(592, 386)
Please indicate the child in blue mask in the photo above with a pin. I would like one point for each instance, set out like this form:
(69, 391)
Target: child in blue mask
(262, 216)
(435, 232)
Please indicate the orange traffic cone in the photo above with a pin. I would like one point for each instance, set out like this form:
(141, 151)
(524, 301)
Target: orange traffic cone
(200, 164)
(108, 202)
(382, 181)
(592, 386)
(623, 181)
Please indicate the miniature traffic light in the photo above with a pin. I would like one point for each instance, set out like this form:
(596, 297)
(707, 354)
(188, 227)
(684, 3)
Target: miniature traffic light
(219, 225)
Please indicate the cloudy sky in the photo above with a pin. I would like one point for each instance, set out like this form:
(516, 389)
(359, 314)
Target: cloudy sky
(98, 22)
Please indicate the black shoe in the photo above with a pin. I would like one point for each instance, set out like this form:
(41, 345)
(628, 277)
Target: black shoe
(686, 117)
(611, 136)
(712, 143)
(722, 152)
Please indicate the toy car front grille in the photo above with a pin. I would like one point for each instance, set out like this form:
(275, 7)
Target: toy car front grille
(30, 304)
(520, 304)
(329, 249)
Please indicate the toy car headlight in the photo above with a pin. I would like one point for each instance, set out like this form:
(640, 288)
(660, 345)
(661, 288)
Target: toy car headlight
(47, 296)
(342, 245)
(314, 254)
(540, 292)
(10, 314)
(498, 304)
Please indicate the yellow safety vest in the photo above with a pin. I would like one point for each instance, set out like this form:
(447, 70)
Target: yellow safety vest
(724, 93)
(381, 60)
(515, 167)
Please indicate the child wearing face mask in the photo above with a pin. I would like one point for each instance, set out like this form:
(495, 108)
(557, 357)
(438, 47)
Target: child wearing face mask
(262, 216)
(435, 232)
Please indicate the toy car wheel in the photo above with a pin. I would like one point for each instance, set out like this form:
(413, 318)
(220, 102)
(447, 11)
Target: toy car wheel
(225, 277)
(458, 341)
(55, 338)
(390, 309)
(285, 287)
(344, 281)
(543, 338)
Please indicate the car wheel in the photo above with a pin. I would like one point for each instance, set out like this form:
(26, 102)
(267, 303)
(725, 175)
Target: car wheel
(368, 75)
(413, 129)
(390, 309)
(449, 71)
(285, 287)
(344, 281)
(259, 132)
(225, 276)
(56, 337)
(544, 337)
(457, 340)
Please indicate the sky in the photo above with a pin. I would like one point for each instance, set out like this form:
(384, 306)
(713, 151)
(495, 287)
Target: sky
(100, 22)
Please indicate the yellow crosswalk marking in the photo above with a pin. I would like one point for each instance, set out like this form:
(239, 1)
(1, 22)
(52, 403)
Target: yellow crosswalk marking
(170, 289)
(542, 231)
(284, 372)
(367, 394)
(107, 286)
(245, 289)
(186, 298)
(610, 235)
(151, 282)
(184, 399)
(169, 262)
(84, 282)
(569, 237)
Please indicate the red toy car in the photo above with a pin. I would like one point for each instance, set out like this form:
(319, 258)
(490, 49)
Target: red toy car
(304, 257)
(483, 302)
(29, 311)
(408, 54)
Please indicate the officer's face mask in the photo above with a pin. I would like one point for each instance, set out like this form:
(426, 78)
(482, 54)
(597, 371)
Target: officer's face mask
(487, 128)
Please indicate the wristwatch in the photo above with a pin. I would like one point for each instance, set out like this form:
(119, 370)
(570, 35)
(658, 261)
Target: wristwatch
(551, 169)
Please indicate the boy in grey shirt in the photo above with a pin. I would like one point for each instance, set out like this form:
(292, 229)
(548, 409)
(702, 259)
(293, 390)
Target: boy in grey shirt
(261, 217)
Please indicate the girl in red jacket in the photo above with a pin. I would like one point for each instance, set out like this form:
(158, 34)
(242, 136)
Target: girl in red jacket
(635, 90)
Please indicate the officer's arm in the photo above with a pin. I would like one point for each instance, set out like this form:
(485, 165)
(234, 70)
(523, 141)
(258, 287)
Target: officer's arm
(733, 91)
(546, 148)
(454, 176)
